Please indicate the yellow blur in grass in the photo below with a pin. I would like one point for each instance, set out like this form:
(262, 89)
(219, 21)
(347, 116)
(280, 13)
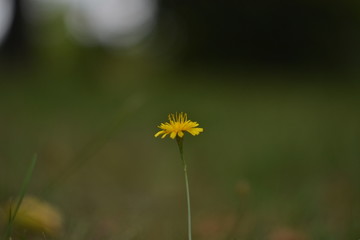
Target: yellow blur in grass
(178, 123)
(36, 217)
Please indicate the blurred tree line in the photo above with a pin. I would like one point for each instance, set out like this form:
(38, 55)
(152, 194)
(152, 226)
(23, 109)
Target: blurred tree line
(319, 34)
(300, 32)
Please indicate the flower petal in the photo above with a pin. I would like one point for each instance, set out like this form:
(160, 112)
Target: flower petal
(159, 133)
(173, 135)
(176, 126)
(195, 131)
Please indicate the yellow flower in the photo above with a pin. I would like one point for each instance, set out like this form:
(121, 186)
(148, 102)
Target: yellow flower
(178, 123)
(37, 217)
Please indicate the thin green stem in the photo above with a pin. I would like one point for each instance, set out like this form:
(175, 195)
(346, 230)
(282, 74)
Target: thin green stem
(180, 145)
(22, 193)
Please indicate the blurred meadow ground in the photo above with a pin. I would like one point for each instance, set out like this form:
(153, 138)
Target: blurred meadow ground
(278, 159)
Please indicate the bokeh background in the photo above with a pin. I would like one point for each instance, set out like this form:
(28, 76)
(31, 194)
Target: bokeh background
(275, 85)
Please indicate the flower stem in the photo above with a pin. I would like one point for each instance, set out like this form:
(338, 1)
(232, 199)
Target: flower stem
(180, 145)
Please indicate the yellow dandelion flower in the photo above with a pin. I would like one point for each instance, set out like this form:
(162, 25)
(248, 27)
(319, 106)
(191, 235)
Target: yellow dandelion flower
(177, 125)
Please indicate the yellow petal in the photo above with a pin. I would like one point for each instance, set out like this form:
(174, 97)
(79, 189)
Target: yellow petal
(195, 131)
(173, 135)
(159, 133)
(176, 126)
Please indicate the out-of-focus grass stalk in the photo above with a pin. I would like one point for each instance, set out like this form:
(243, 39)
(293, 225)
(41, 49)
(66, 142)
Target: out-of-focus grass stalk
(22, 193)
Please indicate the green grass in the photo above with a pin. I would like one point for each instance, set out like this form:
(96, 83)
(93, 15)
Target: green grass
(23, 190)
(296, 145)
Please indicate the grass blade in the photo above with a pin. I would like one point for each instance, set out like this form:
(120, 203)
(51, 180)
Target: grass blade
(22, 193)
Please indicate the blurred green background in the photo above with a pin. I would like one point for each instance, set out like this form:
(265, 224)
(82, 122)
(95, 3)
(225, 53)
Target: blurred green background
(274, 85)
